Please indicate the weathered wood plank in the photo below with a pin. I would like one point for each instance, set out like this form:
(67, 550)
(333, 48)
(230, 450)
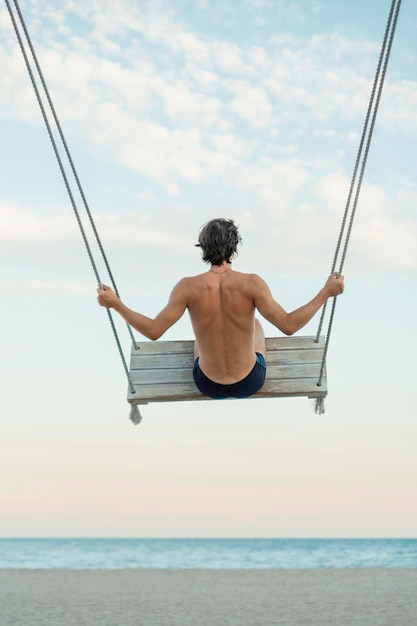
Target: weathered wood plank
(180, 353)
(179, 375)
(187, 346)
(163, 361)
(187, 391)
(166, 361)
(162, 371)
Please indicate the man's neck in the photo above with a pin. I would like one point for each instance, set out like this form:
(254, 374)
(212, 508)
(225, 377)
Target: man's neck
(221, 269)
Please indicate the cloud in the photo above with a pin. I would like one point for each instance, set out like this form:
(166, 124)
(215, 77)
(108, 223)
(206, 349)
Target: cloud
(189, 112)
(384, 232)
(289, 216)
(23, 224)
(251, 103)
(219, 82)
(399, 108)
(42, 287)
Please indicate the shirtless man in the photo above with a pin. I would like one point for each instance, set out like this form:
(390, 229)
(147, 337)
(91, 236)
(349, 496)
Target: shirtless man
(230, 343)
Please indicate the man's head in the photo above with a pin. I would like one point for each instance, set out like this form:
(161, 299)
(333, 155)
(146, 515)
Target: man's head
(219, 240)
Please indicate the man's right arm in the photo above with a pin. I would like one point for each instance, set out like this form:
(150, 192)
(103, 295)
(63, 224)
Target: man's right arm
(152, 328)
(290, 323)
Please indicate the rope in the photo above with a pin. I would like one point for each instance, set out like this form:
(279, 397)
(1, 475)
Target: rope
(319, 408)
(364, 145)
(63, 172)
(135, 415)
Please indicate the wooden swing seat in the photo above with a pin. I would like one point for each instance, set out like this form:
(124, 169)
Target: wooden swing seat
(161, 371)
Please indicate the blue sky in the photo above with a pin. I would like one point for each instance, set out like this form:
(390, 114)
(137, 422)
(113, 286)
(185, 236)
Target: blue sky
(176, 113)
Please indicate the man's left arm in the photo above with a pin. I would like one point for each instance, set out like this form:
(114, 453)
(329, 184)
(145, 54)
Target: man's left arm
(152, 328)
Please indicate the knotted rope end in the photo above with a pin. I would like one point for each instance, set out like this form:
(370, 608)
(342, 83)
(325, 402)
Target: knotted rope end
(135, 416)
(319, 408)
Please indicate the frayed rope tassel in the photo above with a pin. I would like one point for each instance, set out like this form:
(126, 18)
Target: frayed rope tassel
(319, 410)
(135, 415)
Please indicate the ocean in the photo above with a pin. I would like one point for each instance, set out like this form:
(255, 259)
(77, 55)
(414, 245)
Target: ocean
(22, 553)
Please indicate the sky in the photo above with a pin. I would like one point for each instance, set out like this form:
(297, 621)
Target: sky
(175, 113)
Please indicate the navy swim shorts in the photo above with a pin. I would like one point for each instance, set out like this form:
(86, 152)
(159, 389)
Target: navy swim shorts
(242, 389)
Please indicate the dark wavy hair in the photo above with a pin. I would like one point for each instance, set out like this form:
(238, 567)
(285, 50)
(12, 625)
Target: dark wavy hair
(219, 240)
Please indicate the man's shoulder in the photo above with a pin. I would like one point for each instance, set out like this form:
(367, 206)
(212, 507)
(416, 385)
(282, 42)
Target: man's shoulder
(187, 282)
(249, 277)
(194, 278)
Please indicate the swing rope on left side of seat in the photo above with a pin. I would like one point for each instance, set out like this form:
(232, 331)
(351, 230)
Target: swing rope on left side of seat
(134, 414)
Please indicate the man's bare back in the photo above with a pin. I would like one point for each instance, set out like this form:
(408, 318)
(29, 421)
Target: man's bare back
(222, 304)
(222, 311)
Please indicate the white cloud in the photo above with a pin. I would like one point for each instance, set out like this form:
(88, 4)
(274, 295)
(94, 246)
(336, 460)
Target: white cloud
(399, 106)
(207, 80)
(152, 96)
(43, 287)
(231, 144)
(22, 224)
(28, 225)
(251, 103)
(185, 106)
(384, 233)
(321, 74)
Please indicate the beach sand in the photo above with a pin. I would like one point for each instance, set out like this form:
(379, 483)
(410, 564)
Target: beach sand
(366, 597)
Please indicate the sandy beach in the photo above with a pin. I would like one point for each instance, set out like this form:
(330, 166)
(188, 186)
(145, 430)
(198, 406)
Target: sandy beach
(366, 597)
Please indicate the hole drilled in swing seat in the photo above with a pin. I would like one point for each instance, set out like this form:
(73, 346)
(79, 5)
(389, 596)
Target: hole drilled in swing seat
(161, 371)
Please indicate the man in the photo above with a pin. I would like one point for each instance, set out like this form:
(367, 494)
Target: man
(230, 343)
